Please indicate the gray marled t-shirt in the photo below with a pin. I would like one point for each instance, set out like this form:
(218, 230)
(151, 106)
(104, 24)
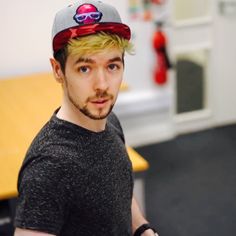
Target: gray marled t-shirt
(76, 182)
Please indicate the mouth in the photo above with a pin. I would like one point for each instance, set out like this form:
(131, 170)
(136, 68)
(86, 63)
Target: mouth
(100, 103)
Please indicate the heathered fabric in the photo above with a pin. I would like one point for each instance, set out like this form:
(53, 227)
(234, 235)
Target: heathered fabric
(76, 182)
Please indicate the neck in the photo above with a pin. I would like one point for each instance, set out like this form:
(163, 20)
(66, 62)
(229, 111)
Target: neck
(70, 113)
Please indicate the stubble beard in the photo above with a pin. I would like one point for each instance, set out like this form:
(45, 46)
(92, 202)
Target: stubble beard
(84, 109)
(100, 116)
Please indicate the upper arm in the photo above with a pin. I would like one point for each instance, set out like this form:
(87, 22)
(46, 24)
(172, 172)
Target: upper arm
(27, 232)
(43, 199)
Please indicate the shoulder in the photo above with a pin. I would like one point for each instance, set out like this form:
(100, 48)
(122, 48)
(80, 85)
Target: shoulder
(113, 119)
(52, 143)
(44, 195)
(114, 122)
(40, 170)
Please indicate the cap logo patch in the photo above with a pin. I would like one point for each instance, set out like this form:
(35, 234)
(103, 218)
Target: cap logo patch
(87, 14)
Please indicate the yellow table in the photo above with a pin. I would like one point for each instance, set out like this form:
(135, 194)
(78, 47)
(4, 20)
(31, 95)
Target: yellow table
(26, 103)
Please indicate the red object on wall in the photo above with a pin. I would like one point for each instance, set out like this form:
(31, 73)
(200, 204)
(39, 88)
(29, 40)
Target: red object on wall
(163, 63)
(157, 1)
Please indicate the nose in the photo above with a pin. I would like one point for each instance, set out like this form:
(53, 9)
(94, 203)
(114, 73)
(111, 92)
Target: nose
(101, 81)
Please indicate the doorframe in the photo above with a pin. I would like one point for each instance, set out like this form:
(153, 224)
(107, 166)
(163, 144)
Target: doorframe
(201, 119)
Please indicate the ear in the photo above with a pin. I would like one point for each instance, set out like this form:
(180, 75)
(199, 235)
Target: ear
(56, 68)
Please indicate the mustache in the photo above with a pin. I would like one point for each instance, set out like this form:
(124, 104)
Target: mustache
(100, 94)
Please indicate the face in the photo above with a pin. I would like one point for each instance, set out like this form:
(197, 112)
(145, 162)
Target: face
(92, 82)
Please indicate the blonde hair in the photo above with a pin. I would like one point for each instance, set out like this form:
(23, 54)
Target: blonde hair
(98, 42)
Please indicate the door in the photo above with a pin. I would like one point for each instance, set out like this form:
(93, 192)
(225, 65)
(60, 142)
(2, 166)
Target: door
(191, 48)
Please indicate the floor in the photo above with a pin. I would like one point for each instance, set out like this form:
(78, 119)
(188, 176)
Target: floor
(190, 186)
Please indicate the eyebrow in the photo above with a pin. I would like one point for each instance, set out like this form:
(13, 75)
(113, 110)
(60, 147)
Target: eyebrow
(86, 60)
(115, 59)
(91, 61)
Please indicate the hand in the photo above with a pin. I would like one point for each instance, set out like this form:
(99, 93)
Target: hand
(149, 232)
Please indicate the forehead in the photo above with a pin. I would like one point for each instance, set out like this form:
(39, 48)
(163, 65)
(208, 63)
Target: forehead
(98, 56)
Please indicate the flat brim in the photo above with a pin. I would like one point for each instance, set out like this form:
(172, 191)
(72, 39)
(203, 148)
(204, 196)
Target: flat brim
(62, 38)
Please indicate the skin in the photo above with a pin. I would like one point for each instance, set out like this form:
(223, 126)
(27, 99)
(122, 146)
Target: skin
(90, 87)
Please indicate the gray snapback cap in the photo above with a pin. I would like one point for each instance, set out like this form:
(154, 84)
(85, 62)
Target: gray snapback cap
(86, 17)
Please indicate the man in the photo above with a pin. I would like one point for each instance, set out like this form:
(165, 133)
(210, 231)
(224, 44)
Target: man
(76, 178)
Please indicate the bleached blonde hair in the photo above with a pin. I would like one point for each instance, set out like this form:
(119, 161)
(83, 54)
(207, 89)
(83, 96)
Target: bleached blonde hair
(91, 44)
(96, 43)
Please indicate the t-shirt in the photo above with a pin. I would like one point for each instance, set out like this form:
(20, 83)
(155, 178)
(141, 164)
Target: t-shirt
(74, 181)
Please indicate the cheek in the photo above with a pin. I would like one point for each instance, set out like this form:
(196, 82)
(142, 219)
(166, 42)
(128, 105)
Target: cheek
(78, 89)
(117, 81)
(116, 89)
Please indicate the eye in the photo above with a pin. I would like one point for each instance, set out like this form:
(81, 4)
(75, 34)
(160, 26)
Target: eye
(113, 67)
(84, 69)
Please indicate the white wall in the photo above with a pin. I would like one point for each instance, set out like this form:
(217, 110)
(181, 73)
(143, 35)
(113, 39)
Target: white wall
(25, 43)
(224, 84)
(190, 8)
(25, 35)
(25, 47)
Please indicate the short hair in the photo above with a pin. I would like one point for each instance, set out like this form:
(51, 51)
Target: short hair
(90, 44)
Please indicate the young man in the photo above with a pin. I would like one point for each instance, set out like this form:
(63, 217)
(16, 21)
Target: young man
(76, 178)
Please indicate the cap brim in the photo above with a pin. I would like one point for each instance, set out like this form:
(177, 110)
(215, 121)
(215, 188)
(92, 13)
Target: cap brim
(62, 38)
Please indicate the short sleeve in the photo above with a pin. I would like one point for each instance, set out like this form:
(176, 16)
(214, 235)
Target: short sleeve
(114, 121)
(44, 196)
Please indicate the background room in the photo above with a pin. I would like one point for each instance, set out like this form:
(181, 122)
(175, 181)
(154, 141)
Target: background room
(184, 126)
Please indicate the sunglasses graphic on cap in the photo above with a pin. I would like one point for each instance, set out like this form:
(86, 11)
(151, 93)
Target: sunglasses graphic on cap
(81, 18)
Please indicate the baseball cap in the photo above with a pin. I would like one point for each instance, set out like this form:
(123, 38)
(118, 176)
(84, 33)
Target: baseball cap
(86, 17)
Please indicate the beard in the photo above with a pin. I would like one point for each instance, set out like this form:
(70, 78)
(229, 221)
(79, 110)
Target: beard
(100, 116)
(86, 111)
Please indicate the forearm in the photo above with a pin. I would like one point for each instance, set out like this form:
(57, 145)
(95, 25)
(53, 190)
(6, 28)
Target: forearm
(28, 232)
(137, 216)
(138, 219)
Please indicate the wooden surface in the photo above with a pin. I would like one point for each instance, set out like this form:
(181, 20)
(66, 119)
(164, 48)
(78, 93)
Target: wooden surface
(138, 162)
(26, 103)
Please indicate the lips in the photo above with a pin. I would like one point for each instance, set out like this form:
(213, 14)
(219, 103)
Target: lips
(100, 101)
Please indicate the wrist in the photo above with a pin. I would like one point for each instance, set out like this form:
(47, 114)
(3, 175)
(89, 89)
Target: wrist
(142, 228)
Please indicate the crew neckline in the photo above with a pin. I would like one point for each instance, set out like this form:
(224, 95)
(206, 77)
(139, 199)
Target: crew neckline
(76, 126)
